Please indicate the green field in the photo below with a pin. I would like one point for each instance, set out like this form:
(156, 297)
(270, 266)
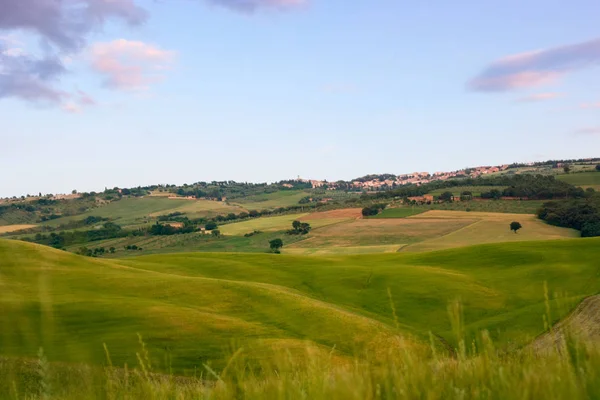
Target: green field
(190, 307)
(457, 190)
(284, 198)
(583, 179)
(136, 211)
(488, 228)
(399, 212)
(497, 206)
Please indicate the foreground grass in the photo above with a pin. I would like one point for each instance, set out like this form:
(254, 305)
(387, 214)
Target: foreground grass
(571, 370)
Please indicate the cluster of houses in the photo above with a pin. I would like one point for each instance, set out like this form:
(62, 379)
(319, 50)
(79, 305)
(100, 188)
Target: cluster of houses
(416, 178)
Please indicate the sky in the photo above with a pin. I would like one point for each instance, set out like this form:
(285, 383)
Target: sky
(105, 93)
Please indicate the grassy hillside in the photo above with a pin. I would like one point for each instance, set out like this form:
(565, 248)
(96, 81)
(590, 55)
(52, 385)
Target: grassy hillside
(488, 228)
(283, 198)
(457, 190)
(584, 179)
(135, 210)
(190, 308)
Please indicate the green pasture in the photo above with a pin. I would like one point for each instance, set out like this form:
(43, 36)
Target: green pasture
(584, 179)
(457, 190)
(189, 308)
(399, 212)
(283, 198)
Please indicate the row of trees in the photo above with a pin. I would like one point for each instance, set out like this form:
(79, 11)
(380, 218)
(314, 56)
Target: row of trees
(580, 214)
(526, 186)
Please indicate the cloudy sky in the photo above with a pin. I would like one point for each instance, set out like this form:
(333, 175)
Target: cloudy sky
(97, 93)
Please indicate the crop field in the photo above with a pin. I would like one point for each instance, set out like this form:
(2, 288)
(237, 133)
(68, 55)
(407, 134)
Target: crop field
(190, 308)
(137, 211)
(399, 212)
(279, 223)
(489, 228)
(282, 198)
(494, 206)
(375, 232)
(14, 228)
(456, 191)
(326, 251)
(124, 212)
(583, 179)
(200, 208)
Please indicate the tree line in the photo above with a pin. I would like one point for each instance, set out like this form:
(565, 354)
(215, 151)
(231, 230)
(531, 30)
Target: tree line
(581, 214)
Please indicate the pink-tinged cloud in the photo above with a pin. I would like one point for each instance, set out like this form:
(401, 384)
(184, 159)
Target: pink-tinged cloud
(253, 5)
(587, 106)
(63, 23)
(130, 65)
(536, 68)
(588, 131)
(539, 97)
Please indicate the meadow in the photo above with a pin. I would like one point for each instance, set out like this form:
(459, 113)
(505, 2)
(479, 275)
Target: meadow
(282, 198)
(194, 311)
(457, 190)
(399, 212)
(492, 206)
(583, 179)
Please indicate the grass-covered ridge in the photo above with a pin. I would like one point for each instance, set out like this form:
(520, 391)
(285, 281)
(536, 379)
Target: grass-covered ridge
(191, 307)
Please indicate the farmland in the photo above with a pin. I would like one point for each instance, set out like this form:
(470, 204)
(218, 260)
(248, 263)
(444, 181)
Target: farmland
(457, 190)
(272, 200)
(195, 304)
(583, 179)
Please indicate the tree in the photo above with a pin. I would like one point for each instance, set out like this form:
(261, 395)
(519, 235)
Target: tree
(446, 197)
(216, 232)
(74, 191)
(567, 168)
(515, 226)
(112, 250)
(275, 245)
(210, 226)
(299, 228)
(598, 167)
(590, 229)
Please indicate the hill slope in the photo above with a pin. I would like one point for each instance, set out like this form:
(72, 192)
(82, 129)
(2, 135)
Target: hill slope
(192, 307)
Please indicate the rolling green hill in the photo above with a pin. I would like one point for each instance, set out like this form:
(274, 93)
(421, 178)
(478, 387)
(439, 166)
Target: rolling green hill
(190, 308)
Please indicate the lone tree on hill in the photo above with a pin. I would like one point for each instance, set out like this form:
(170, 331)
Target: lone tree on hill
(276, 244)
(515, 226)
(567, 168)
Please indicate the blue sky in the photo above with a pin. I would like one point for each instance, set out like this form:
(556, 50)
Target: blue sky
(97, 93)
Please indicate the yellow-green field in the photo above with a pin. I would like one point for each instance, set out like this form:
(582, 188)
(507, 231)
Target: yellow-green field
(200, 208)
(14, 228)
(376, 232)
(190, 308)
(273, 200)
(326, 251)
(488, 228)
(273, 224)
(583, 179)
(457, 190)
